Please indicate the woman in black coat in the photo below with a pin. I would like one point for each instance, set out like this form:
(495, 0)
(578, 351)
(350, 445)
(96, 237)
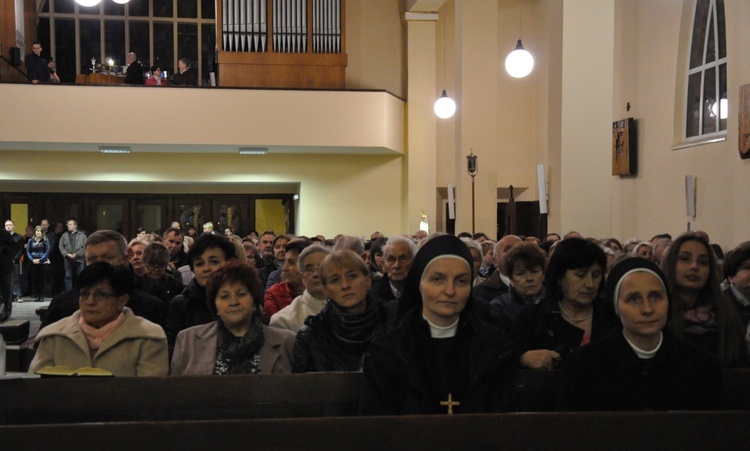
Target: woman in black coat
(572, 314)
(437, 356)
(641, 366)
(336, 338)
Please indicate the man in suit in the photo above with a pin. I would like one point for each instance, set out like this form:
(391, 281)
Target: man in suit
(185, 76)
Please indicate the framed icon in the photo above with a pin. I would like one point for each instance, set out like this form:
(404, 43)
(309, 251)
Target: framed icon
(624, 147)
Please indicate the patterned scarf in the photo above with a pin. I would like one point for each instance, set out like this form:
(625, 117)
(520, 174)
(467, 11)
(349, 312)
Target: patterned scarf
(239, 355)
(700, 321)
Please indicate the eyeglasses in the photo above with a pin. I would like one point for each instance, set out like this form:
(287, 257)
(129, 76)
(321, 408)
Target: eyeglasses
(150, 267)
(99, 296)
(311, 268)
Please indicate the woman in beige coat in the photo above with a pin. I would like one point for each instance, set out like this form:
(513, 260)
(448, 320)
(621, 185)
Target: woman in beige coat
(237, 342)
(104, 333)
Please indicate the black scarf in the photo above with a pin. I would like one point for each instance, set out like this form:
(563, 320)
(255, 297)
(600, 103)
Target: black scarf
(239, 355)
(353, 332)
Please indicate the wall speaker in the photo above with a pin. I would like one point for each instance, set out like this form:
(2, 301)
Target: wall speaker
(690, 194)
(15, 56)
(541, 182)
(451, 204)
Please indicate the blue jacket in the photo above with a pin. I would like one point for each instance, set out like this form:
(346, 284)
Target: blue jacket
(38, 249)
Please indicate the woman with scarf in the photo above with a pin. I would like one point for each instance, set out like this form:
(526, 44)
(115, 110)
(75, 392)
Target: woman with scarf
(700, 313)
(437, 356)
(237, 342)
(640, 366)
(336, 338)
(104, 333)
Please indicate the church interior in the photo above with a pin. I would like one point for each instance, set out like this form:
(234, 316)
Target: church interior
(372, 155)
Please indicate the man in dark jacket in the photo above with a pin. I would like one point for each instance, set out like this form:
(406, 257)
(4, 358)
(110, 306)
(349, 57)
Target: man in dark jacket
(134, 76)
(37, 70)
(6, 276)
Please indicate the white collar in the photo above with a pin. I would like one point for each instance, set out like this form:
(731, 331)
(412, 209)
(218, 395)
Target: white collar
(645, 354)
(440, 331)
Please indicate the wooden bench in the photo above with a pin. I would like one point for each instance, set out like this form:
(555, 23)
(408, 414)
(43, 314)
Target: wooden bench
(583, 431)
(74, 400)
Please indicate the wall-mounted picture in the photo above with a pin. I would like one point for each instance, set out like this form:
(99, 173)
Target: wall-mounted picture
(624, 151)
(744, 122)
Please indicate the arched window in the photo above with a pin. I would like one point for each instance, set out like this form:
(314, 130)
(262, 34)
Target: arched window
(707, 107)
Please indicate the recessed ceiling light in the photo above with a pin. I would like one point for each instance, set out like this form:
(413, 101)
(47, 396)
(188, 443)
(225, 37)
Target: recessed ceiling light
(114, 149)
(253, 150)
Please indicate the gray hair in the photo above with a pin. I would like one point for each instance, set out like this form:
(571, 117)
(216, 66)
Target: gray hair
(400, 239)
(311, 249)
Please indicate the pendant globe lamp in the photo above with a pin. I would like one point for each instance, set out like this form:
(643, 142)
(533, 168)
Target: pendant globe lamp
(444, 107)
(519, 62)
(88, 3)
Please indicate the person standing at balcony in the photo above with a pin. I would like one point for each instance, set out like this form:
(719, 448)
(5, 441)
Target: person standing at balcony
(36, 66)
(185, 76)
(71, 247)
(134, 76)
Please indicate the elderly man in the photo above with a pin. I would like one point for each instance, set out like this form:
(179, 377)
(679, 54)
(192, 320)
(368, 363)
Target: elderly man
(398, 255)
(111, 247)
(134, 75)
(660, 242)
(313, 299)
(497, 283)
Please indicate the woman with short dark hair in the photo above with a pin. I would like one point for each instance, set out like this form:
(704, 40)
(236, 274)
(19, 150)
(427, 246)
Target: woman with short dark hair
(572, 314)
(104, 333)
(524, 264)
(190, 307)
(237, 342)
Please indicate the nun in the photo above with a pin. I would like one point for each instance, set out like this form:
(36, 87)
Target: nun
(640, 365)
(437, 356)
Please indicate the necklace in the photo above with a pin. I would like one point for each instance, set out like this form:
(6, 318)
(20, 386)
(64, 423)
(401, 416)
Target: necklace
(571, 319)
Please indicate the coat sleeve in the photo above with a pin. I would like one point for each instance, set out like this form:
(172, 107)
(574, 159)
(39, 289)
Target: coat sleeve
(154, 358)
(175, 318)
(179, 357)
(301, 353)
(45, 355)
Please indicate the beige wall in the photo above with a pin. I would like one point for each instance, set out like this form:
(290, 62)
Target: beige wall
(338, 193)
(648, 69)
(376, 45)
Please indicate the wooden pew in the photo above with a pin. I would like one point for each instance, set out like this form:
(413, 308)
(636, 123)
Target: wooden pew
(584, 431)
(73, 400)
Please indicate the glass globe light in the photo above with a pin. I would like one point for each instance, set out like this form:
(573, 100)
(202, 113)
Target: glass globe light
(121, 2)
(445, 107)
(519, 62)
(88, 2)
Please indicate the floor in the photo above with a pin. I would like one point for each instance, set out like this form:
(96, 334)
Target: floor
(27, 310)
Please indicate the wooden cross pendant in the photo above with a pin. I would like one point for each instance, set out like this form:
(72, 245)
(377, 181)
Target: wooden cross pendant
(450, 403)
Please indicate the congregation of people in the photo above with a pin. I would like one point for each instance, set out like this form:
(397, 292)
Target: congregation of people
(436, 323)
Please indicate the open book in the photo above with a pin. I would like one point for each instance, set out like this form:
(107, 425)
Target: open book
(66, 371)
